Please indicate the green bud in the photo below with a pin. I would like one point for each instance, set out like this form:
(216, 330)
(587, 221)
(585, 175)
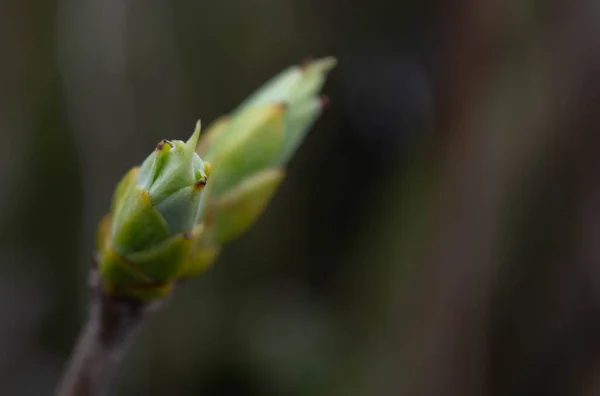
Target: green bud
(169, 221)
(249, 149)
(147, 241)
(240, 207)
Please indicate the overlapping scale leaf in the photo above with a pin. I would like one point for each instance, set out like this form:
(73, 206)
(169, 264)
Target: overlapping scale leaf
(147, 240)
(259, 137)
(171, 216)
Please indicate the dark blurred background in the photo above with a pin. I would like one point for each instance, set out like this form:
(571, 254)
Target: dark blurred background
(437, 234)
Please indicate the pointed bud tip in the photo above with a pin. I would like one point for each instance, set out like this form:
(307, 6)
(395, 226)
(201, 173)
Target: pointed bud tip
(322, 65)
(146, 196)
(327, 63)
(200, 183)
(325, 101)
(162, 144)
(193, 140)
(207, 168)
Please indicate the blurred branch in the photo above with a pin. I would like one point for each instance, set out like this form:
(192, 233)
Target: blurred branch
(111, 327)
(502, 98)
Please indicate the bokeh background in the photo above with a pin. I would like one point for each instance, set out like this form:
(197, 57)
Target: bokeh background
(438, 232)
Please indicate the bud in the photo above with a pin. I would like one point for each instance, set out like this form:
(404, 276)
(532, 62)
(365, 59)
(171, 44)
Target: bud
(147, 240)
(249, 149)
(169, 221)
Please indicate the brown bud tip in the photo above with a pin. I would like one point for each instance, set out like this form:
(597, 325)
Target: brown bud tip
(146, 197)
(162, 143)
(282, 106)
(324, 101)
(200, 183)
(305, 62)
(188, 235)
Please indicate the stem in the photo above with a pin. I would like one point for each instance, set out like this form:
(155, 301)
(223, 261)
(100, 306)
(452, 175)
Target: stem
(111, 328)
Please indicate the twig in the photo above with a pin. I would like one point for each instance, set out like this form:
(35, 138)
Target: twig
(96, 361)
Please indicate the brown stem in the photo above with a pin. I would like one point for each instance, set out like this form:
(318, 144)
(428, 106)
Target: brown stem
(110, 330)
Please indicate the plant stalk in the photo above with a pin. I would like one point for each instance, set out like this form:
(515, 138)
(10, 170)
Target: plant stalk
(111, 328)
